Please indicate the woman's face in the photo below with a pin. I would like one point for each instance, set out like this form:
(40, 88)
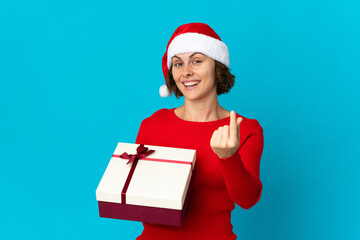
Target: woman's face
(194, 75)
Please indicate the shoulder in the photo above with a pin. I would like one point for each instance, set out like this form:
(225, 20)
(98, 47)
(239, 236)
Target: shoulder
(161, 112)
(250, 128)
(250, 124)
(151, 126)
(159, 117)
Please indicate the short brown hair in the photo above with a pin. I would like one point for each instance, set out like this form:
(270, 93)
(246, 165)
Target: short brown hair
(224, 80)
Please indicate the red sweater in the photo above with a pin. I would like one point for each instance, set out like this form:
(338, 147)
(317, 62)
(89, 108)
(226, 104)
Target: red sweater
(217, 184)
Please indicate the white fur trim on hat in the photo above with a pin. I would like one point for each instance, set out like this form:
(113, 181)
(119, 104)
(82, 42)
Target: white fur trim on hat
(164, 91)
(196, 42)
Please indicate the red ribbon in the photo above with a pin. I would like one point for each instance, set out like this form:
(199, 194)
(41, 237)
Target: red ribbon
(141, 153)
(133, 158)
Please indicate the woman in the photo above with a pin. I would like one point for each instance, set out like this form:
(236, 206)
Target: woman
(228, 146)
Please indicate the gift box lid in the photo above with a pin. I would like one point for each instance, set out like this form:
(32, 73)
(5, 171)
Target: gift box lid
(159, 180)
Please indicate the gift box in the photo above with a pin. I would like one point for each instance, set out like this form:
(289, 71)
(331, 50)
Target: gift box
(146, 183)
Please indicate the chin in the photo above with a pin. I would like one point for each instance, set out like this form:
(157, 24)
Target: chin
(193, 97)
(199, 96)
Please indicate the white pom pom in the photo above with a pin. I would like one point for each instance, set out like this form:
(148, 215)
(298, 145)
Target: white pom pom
(164, 91)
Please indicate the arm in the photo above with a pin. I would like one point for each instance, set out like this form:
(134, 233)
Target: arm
(239, 165)
(241, 170)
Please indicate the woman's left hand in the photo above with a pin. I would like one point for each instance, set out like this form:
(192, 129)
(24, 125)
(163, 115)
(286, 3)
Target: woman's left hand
(225, 140)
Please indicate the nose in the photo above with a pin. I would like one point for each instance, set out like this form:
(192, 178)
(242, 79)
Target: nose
(187, 70)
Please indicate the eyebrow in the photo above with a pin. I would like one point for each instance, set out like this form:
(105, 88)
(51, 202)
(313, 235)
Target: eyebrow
(190, 55)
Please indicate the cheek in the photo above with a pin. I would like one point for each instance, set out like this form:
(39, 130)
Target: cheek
(209, 74)
(175, 75)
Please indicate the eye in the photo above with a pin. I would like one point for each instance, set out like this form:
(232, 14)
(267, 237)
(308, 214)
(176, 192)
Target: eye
(197, 61)
(177, 64)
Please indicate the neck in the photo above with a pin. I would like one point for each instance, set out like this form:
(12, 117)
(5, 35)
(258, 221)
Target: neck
(202, 110)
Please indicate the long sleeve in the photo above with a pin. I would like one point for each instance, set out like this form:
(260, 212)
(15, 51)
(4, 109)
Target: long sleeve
(241, 171)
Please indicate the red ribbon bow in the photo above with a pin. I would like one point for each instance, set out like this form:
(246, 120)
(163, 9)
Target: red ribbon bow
(141, 153)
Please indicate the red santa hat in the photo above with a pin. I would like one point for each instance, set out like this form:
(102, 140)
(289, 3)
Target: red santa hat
(193, 37)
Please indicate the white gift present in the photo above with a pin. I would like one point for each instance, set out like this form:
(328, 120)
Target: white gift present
(152, 189)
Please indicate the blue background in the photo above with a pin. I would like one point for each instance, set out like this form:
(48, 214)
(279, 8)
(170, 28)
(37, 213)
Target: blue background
(79, 76)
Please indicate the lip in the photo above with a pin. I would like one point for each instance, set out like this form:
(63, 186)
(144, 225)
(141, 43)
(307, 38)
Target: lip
(192, 87)
(193, 80)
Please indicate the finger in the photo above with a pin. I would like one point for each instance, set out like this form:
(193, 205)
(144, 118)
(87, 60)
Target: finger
(233, 126)
(219, 137)
(213, 138)
(238, 122)
(226, 134)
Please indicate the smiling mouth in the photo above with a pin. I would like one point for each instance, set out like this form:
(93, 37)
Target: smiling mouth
(191, 83)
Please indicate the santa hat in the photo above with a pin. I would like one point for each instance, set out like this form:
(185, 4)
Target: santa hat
(193, 37)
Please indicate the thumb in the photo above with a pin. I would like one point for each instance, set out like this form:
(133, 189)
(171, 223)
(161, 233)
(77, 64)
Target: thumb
(238, 122)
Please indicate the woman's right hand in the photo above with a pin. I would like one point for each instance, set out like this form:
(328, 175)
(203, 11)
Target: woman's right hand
(225, 140)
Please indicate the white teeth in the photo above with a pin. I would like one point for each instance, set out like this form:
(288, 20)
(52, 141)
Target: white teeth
(187, 84)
